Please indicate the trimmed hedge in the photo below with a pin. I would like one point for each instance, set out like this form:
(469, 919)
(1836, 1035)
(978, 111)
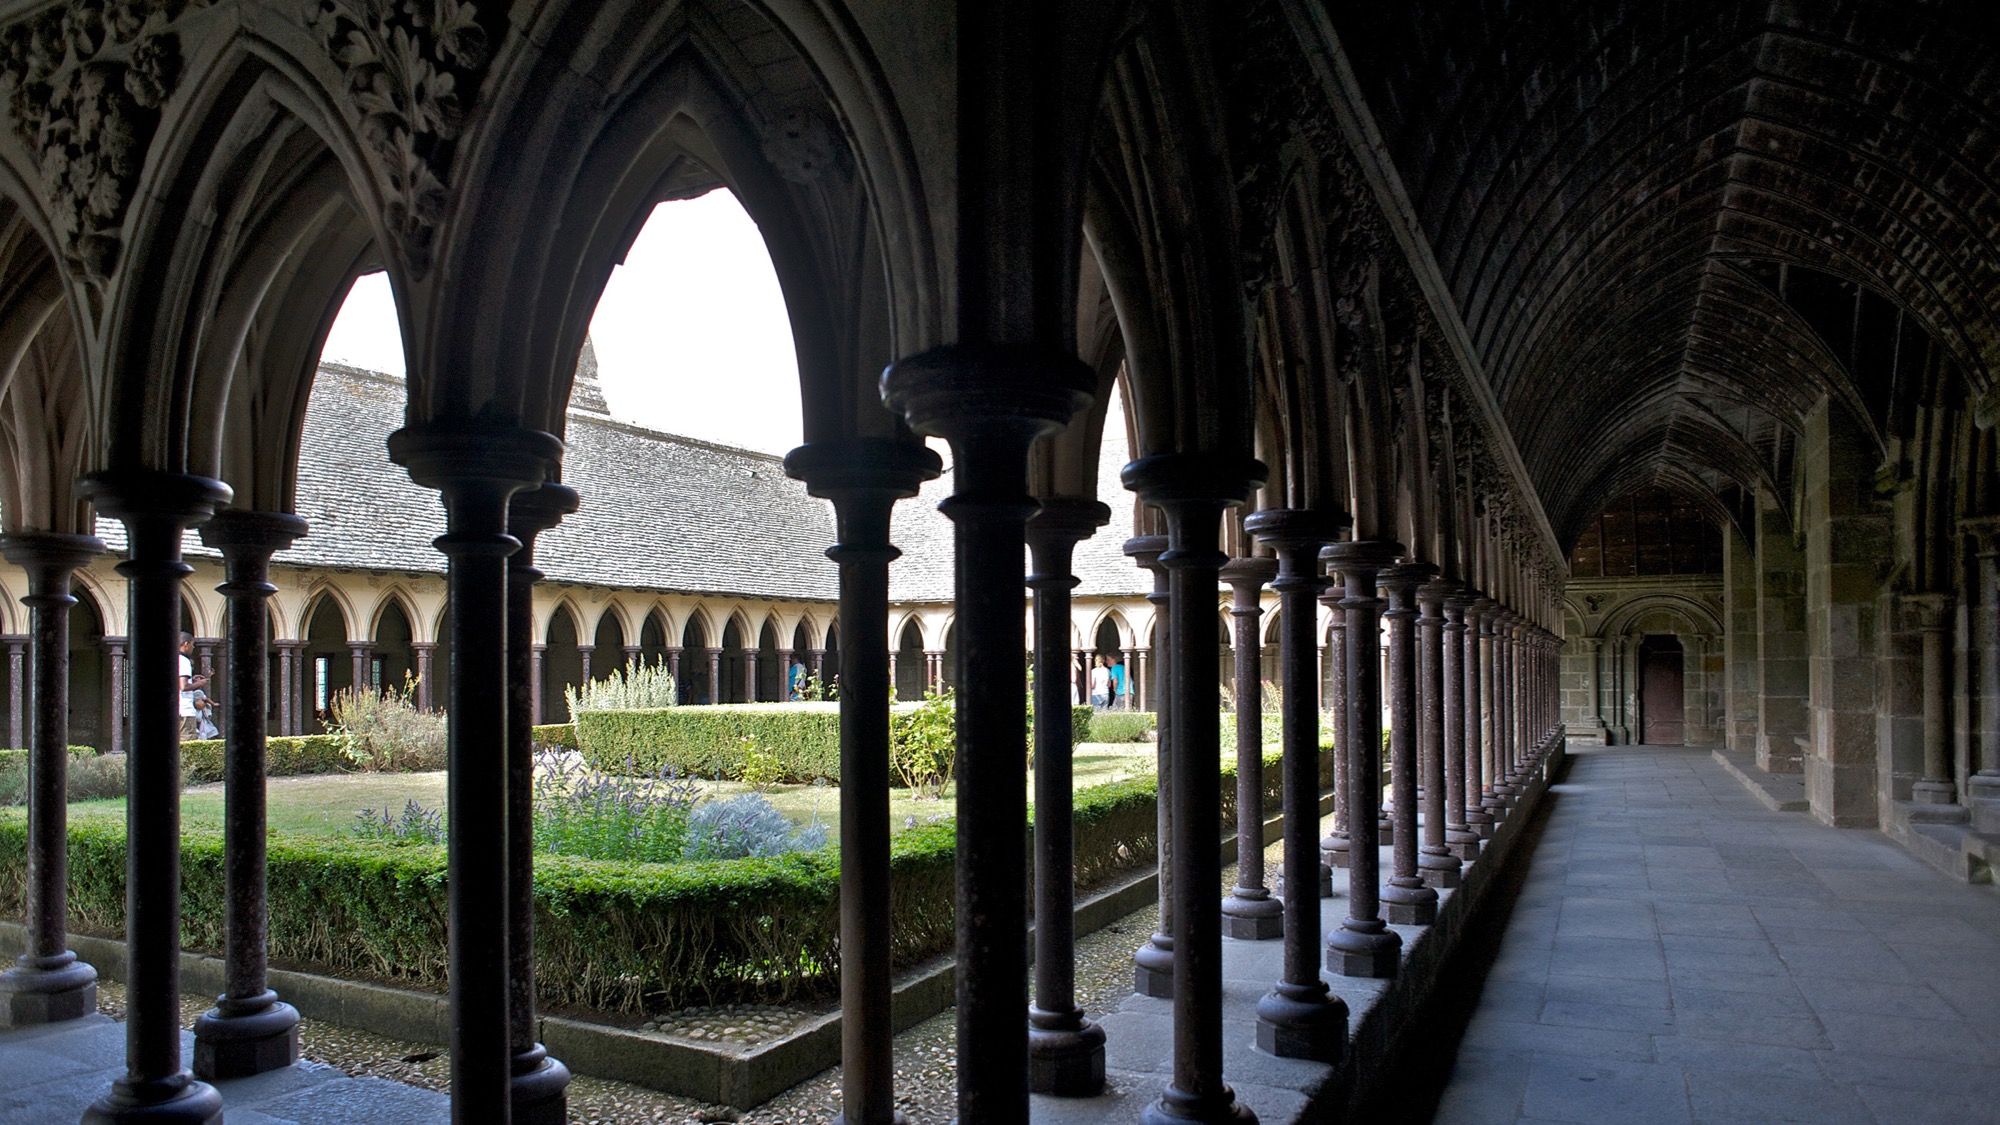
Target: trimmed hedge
(284, 756)
(14, 772)
(610, 936)
(708, 741)
(1122, 726)
(555, 734)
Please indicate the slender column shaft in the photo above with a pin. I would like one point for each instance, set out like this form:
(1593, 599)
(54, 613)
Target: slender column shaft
(1065, 1050)
(1363, 945)
(1933, 617)
(1461, 793)
(1406, 897)
(864, 480)
(1249, 913)
(537, 1083)
(1192, 491)
(1435, 697)
(1333, 849)
(714, 676)
(1499, 767)
(1489, 713)
(1153, 962)
(478, 472)
(155, 508)
(1298, 1018)
(47, 983)
(16, 705)
(120, 677)
(1020, 395)
(425, 653)
(249, 1031)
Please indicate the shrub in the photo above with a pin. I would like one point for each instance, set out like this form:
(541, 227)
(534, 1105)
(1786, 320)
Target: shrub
(286, 756)
(96, 778)
(748, 825)
(708, 741)
(556, 734)
(1121, 726)
(761, 769)
(417, 825)
(387, 731)
(1082, 724)
(924, 749)
(14, 773)
(585, 812)
(640, 687)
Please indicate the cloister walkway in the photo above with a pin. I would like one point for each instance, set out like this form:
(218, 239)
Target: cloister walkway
(1678, 953)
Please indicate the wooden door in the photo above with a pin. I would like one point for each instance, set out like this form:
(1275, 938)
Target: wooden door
(1662, 718)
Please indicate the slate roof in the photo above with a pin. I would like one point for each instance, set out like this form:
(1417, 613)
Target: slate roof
(659, 512)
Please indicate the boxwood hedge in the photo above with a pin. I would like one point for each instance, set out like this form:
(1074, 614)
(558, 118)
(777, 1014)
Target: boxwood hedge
(284, 756)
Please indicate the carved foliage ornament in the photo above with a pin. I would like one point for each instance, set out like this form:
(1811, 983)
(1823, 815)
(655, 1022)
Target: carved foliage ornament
(412, 69)
(84, 82)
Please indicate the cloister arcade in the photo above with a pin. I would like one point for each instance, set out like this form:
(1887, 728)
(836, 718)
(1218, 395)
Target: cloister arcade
(1395, 302)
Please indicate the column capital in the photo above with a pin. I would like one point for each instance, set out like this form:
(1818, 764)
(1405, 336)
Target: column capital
(1146, 550)
(130, 495)
(1246, 577)
(1167, 479)
(1929, 611)
(535, 510)
(1437, 592)
(834, 470)
(1984, 531)
(969, 393)
(1354, 555)
(242, 531)
(36, 550)
(1403, 581)
(441, 457)
(1067, 517)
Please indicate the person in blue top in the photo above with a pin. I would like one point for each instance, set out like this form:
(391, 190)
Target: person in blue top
(1118, 699)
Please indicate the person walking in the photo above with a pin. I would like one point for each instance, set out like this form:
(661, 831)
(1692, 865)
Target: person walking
(1120, 697)
(190, 714)
(1100, 682)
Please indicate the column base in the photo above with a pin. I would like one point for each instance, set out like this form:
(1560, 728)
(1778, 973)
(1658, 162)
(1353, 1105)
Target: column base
(1258, 918)
(538, 1090)
(1385, 830)
(47, 990)
(1409, 904)
(1153, 968)
(1333, 851)
(1931, 791)
(1065, 1061)
(241, 1037)
(1373, 953)
(1300, 1021)
(179, 1099)
(1442, 870)
(1984, 786)
(1177, 1108)
(1325, 879)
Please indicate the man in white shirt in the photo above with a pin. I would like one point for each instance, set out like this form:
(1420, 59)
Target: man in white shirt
(190, 714)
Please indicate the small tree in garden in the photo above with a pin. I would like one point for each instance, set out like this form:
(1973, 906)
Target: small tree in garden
(387, 731)
(925, 746)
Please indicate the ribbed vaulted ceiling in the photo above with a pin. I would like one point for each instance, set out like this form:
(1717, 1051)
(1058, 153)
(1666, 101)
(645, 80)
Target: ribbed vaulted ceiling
(1608, 186)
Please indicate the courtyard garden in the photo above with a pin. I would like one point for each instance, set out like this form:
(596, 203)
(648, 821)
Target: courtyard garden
(685, 855)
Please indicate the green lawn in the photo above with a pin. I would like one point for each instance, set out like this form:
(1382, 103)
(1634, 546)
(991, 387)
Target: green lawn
(325, 805)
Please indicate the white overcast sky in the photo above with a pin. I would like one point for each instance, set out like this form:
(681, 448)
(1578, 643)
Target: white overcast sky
(691, 332)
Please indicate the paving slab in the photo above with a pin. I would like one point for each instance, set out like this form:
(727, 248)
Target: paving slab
(1716, 960)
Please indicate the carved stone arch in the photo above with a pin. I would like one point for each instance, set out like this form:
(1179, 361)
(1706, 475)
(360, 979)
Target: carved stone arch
(110, 610)
(564, 604)
(613, 608)
(47, 422)
(321, 590)
(666, 107)
(698, 616)
(1116, 618)
(1699, 618)
(393, 595)
(249, 141)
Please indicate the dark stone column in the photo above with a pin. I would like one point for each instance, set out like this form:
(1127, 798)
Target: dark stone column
(991, 403)
(249, 1031)
(1364, 945)
(1461, 730)
(208, 663)
(1933, 616)
(1406, 899)
(47, 983)
(1299, 1019)
(1479, 634)
(425, 653)
(1065, 1050)
(864, 479)
(288, 687)
(156, 507)
(1191, 491)
(583, 663)
(1153, 962)
(364, 664)
(1499, 772)
(17, 648)
(1333, 848)
(114, 647)
(1250, 913)
(538, 1084)
(634, 653)
(749, 674)
(714, 675)
(1436, 696)
(477, 473)
(817, 662)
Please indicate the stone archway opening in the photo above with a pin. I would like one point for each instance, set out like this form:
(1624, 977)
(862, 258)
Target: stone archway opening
(1662, 691)
(911, 672)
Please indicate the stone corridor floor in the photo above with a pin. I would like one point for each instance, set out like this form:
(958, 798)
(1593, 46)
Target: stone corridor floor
(1678, 953)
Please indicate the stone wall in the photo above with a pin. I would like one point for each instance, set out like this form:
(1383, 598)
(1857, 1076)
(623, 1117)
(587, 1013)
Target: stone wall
(1605, 621)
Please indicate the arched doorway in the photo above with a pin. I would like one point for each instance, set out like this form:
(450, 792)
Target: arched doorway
(562, 666)
(1662, 691)
(770, 669)
(653, 640)
(393, 658)
(730, 670)
(694, 684)
(910, 671)
(329, 661)
(91, 720)
(607, 651)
